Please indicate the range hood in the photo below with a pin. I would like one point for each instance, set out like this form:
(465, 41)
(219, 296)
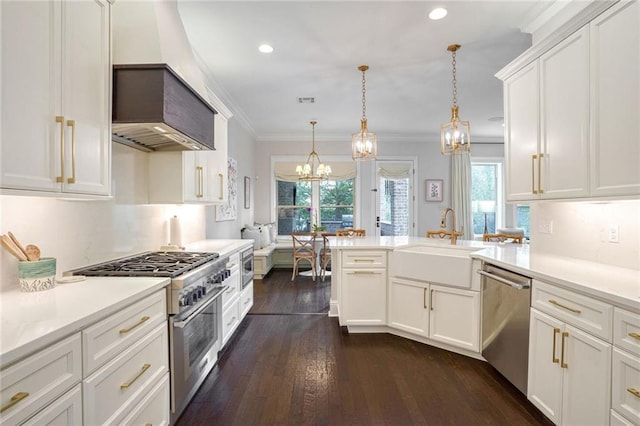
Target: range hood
(160, 100)
(154, 109)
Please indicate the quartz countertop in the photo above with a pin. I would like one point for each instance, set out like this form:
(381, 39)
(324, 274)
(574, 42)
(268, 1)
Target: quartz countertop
(32, 321)
(616, 285)
(223, 247)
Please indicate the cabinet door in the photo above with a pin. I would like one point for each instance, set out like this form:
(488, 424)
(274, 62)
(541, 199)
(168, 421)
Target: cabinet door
(522, 134)
(193, 177)
(218, 167)
(364, 298)
(455, 317)
(31, 85)
(409, 306)
(86, 100)
(66, 410)
(625, 388)
(544, 387)
(615, 101)
(564, 115)
(586, 387)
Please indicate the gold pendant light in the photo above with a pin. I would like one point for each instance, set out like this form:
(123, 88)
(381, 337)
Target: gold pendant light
(455, 135)
(364, 144)
(313, 169)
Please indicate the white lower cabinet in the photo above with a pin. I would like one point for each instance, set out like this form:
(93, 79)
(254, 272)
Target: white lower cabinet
(115, 389)
(440, 313)
(625, 383)
(246, 300)
(364, 297)
(66, 410)
(569, 372)
(617, 420)
(230, 320)
(152, 410)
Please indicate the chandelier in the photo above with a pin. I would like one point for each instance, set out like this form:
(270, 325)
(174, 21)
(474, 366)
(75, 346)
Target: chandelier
(364, 145)
(455, 135)
(313, 169)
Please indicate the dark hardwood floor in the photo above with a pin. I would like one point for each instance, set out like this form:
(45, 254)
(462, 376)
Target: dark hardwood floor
(290, 364)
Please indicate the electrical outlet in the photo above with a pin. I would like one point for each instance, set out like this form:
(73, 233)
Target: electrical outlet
(545, 226)
(614, 234)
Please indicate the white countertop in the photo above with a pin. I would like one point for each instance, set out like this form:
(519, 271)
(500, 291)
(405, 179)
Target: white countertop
(619, 286)
(32, 321)
(223, 247)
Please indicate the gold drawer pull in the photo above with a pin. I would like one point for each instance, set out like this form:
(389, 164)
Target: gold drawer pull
(126, 330)
(364, 260)
(144, 368)
(634, 392)
(148, 424)
(562, 363)
(553, 357)
(364, 272)
(635, 336)
(72, 124)
(60, 119)
(575, 311)
(14, 400)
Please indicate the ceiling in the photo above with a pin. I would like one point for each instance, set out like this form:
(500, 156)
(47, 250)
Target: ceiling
(320, 44)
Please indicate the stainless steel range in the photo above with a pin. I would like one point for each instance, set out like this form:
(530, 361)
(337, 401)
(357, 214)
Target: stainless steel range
(194, 307)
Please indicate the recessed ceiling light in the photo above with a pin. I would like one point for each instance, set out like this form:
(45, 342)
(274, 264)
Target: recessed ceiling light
(265, 48)
(438, 13)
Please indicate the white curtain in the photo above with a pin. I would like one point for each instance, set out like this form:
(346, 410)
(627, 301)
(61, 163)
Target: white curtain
(394, 170)
(461, 193)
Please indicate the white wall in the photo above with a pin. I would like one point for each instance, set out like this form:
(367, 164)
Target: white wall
(580, 230)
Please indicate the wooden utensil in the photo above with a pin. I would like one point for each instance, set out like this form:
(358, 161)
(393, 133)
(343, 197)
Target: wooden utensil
(17, 243)
(33, 252)
(11, 248)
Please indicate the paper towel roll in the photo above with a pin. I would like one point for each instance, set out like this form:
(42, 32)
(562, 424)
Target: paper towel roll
(175, 231)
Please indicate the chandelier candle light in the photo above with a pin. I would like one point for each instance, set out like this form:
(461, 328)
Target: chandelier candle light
(314, 169)
(364, 144)
(455, 135)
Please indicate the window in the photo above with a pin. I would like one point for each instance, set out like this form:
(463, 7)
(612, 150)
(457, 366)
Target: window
(522, 218)
(486, 196)
(298, 204)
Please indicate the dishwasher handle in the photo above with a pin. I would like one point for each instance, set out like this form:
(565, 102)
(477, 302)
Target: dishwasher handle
(519, 286)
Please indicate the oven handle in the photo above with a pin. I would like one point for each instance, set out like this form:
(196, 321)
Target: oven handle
(184, 323)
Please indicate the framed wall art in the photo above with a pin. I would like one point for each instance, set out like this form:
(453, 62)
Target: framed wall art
(433, 189)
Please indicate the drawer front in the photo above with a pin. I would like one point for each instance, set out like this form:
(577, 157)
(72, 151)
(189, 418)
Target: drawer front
(625, 385)
(626, 330)
(580, 311)
(364, 259)
(246, 300)
(153, 409)
(230, 319)
(122, 383)
(617, 420)
(108, 338)
(66, 410)
(34, 382)
(230, 293)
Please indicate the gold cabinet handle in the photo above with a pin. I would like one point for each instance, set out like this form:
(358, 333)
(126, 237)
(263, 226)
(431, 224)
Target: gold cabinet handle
(540, 157)
(126, 330)
(635, 336)
(145, 367)
(199, 191)
(562, 363)
(533, 174)
(634, 392)
(424, 298)
(364, 272)
(575, 311)
(553, 357)
(60, 119)
(72, 124)
(14, 400)
(363, 260)
(431, 299)
(221, 196)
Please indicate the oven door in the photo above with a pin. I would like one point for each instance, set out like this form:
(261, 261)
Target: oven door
(247, 267)
(194, 344)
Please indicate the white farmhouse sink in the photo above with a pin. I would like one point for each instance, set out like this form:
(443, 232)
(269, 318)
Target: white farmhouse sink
(449, 265)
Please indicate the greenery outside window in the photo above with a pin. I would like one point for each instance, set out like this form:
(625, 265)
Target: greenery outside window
(486, 196)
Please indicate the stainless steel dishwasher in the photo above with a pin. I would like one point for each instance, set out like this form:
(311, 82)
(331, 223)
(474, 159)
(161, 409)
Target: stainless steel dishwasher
(506, 297)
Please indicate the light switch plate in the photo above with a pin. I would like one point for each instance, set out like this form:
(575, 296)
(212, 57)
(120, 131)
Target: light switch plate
(614, 233)
(545, 226)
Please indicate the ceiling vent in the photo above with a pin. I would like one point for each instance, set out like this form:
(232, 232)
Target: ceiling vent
(307, 100)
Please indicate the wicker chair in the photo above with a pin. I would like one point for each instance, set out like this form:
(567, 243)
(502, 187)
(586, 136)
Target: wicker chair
(304, 248)
(350, 232)
(501, 238)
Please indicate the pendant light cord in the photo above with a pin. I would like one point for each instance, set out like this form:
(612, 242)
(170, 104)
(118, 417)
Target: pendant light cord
(364, 104)
(455, 81)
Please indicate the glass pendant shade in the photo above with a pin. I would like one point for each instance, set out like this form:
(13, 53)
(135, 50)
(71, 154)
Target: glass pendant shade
(364, 144)
(313, 169)
(454, 135)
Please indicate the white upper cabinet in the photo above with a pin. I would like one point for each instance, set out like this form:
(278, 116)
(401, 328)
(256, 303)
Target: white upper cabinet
(56, 79)
(615, 101)
(572, 111)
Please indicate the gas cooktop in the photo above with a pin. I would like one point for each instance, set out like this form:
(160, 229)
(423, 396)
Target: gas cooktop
(150, 264)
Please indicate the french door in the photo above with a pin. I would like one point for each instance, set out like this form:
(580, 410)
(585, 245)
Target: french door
(394, 189)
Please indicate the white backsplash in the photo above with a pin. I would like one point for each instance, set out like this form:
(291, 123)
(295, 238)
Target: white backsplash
(79, 233)
(581, 230)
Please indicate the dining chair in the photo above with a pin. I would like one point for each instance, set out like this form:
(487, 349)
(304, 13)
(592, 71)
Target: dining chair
(501, 238)
(325, 254)
(350, 232)
(304, 248)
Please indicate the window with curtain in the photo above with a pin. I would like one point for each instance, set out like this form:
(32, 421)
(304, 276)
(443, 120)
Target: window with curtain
(486, 196)
(301, 205)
